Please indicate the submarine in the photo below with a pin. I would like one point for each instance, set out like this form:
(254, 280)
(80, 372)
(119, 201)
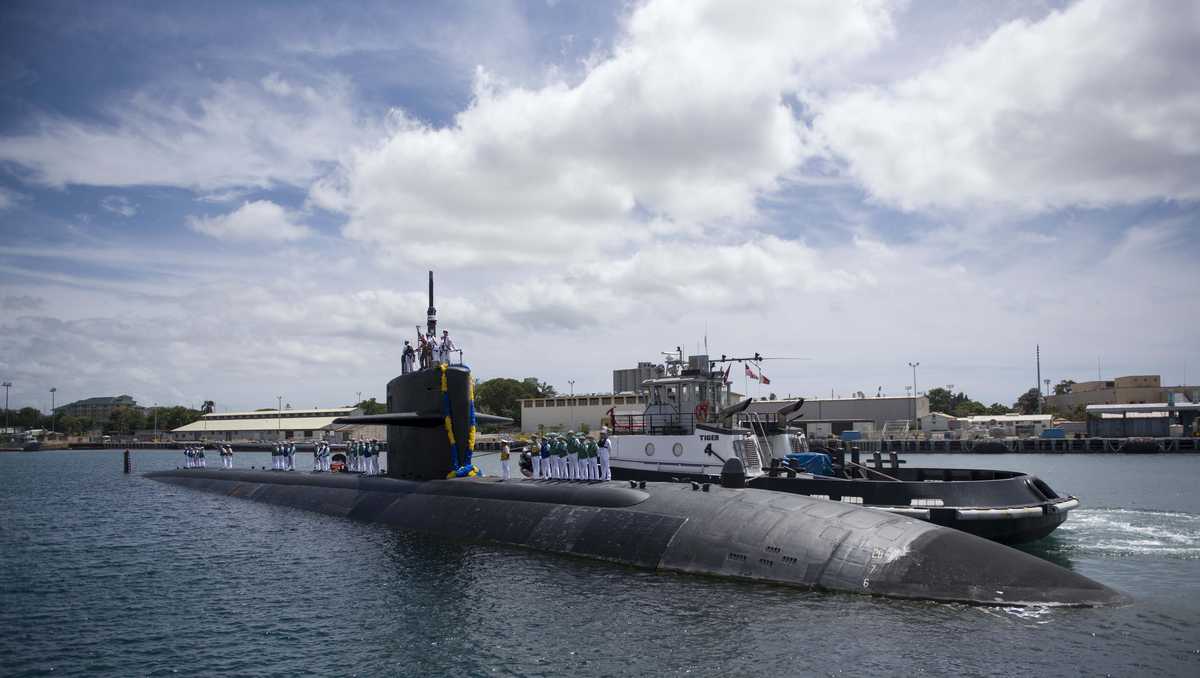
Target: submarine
(723, 529)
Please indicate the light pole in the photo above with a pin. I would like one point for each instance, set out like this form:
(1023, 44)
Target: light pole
(53, 390)
(1047, 382)
(356, 402)
(571, 424)
(279, 419)
(156, 422)
(914, 367)
(8, 385)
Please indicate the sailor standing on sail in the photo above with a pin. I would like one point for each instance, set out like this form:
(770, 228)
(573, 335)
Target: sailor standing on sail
(353, 453)
(200, 454)
(603, 448)
(445, 347)
(316, 457)
(187, 457)
(505, 452)
(406, 358)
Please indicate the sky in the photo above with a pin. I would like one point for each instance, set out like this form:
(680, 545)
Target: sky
(239, 201)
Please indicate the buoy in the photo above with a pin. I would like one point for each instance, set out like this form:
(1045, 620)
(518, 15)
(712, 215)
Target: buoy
(128, 462)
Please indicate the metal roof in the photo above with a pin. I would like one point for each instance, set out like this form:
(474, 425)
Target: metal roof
(326, 411)
(1144, 407)
(257, 424)
(1002, 418)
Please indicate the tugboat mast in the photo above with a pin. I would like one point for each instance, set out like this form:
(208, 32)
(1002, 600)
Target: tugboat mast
(431, 313)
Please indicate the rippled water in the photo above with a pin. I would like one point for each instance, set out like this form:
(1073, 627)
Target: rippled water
(106, 574)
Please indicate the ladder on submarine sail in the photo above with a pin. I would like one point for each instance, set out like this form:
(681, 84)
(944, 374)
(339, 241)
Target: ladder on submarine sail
(684, 429)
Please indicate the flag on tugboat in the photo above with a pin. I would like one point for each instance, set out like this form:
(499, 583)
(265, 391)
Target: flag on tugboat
(763, 377)
(750, 373)
(726, 377)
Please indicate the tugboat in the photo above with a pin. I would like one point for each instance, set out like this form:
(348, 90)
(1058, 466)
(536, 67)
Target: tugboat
(690, 428)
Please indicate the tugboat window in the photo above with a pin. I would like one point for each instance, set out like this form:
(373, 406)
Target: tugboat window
(649, 449)
(677, 449)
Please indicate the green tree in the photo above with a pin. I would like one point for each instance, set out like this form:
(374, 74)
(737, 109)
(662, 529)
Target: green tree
(1028, 402)
(969, 408)
(1063, 386)
(126, 420)
(939, 400)
(997, 408)
(369, 406)
(502, 396)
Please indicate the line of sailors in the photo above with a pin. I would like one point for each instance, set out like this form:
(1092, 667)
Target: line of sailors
(283, 457)
(362, 456)
(193, 456)
(321, 456)
(571, 457)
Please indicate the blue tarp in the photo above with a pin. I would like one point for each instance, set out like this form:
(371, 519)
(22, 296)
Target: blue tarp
(813, 462)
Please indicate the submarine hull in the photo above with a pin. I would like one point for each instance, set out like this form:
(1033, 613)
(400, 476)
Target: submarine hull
(739, 533)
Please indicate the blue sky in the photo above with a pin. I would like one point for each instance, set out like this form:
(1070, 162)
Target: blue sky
(232, 201)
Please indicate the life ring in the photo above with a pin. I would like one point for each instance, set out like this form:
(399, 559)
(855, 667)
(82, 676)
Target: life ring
(701, 411)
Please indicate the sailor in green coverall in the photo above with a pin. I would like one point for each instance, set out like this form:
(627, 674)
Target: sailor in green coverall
(560, 455)
(593, 471)
(573, 449)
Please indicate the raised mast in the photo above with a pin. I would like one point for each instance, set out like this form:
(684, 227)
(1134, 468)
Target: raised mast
(431, 314)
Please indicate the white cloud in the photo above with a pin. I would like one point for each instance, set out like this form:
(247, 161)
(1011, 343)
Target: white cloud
(257, 220)
(119, 205)
(8, 198)
(686, 123)
(237, 134)
(1093, 105)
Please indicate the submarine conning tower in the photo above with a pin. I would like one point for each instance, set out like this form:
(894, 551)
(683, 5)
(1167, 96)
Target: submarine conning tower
(423, 451)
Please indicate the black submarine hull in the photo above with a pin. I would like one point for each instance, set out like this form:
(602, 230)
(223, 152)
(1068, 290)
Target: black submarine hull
(738, 533)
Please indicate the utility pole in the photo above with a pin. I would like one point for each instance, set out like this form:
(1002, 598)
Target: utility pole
(571, 424)
(1038, 384)
(156, 422)
(8, 385)
(53, 390)
(279, 418)
(914, 367)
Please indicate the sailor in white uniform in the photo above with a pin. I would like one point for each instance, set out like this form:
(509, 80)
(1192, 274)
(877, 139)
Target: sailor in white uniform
(603, 448)
(535, 457)
(505, 453)
(407, 358)
(446, 346)
(187, 457)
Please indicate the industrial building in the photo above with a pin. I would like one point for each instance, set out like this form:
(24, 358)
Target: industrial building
(1018, 425)
(849, 413)
(575, 412)
(1130, 390)
(1176, 417)
(274, 425)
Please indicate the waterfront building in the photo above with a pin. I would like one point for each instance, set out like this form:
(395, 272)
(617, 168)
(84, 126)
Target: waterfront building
(1178, 416)
(1128, 390)
(567, 412)
(939, 421)
(98, 409)
(1009, 425)
(272, 425)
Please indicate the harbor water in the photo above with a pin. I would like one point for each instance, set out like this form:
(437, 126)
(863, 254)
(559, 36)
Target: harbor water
(106, 574)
